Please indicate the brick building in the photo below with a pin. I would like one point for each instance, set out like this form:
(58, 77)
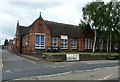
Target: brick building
(42, 34)
(11, 45)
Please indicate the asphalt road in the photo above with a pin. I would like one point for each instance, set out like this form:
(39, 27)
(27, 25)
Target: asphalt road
(16, 67)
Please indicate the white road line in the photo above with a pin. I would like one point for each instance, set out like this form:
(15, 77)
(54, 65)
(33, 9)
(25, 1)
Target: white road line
(26, 59)
(57, 66)
(107, 77)
(1, 64)
(87, 70)
(96, 69)
(53, 66)
(8, 71)
(100, 62)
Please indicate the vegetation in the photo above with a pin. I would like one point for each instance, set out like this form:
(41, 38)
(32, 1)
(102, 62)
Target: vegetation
(104, 17)
(95, 53)
(6, 42)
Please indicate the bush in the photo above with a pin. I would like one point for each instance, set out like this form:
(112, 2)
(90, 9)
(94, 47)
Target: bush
(69, 50)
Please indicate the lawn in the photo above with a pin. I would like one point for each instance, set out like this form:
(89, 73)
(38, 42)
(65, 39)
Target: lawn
(91, 53)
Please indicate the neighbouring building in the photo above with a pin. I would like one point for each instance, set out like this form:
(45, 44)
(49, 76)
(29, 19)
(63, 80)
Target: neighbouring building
(42, 34)
(11, 45)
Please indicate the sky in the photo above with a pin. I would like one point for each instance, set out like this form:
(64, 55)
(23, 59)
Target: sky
(27, 11)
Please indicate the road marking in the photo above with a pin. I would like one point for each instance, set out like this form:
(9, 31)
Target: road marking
(105, 77)
(8, 71)
(1, 64)
(53, 66)
(96, 69)
(57, 66)
(101, 62)
(26, 59)
(29, 60)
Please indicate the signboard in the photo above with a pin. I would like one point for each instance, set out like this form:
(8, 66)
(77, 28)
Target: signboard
(72, 57)
(64, 37)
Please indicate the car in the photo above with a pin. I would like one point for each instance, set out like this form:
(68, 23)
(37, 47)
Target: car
(53, 49)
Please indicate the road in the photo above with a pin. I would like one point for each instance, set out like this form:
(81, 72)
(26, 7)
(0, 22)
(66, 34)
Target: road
(15, 66)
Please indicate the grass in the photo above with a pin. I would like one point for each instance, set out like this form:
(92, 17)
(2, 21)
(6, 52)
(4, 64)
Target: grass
(91, 53)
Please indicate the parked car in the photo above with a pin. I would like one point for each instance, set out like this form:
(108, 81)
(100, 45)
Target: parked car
(53, 49)
(110, 57)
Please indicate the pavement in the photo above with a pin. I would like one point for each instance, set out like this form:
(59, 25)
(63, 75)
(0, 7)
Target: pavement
(107, 73)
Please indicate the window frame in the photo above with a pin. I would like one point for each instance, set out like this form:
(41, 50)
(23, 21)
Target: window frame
(65, 44)
(88, 43)
(73, 43)
(41, 44)
(53, 43)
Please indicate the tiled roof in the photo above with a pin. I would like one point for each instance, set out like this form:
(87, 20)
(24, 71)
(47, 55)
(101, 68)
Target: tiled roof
(58, 29)
(23, 30)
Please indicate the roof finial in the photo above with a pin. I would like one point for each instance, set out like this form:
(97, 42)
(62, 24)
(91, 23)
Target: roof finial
(17, 21)
(40, 14)
(40, 17)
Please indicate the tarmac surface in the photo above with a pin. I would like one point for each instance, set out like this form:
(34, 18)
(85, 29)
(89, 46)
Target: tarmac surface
(19, 67)
(107, 73)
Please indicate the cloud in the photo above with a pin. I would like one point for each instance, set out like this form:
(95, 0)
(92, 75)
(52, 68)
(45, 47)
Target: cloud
(26, 11)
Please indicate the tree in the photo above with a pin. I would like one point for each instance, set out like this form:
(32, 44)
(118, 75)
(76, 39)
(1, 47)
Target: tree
(5, 42)
(104, 17)
(92, 14)
(111, 22)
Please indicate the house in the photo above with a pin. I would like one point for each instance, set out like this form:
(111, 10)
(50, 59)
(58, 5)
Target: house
(42, 33)
(11, 45)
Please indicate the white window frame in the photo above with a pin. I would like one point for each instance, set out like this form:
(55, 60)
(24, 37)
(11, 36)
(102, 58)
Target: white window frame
(39, 46)
(73, 44)
(88, 43)
(53, 43)
(65, 44)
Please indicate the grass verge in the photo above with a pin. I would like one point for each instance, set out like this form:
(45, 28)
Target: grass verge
(91, 53)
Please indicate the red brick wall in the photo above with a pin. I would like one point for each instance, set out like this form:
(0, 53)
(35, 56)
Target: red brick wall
(69, 43)
(38, 27)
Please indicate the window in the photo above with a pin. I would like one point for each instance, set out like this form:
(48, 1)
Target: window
(40, 42)
(101, 43)
(88, 43)
(85, 43)
(54, 41)
(73, 44)
(91, 43)
(64, 43)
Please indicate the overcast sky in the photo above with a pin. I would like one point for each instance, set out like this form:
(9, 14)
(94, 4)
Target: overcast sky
(26, 11)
